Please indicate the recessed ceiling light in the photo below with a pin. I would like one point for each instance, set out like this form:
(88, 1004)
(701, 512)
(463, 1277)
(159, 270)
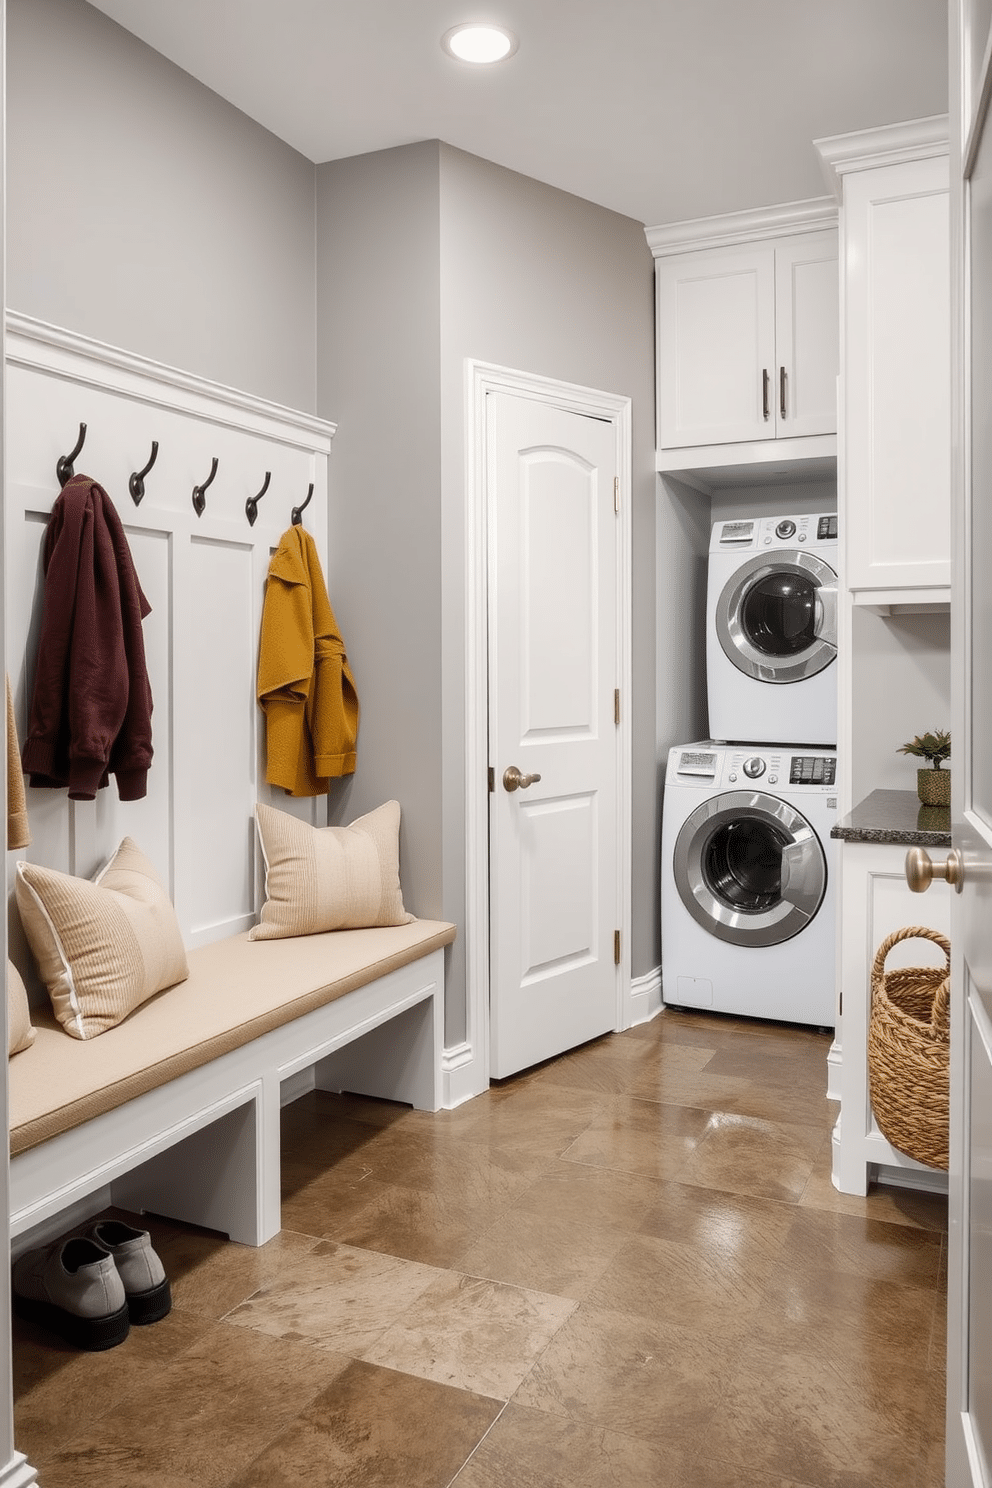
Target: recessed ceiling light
(475, 42)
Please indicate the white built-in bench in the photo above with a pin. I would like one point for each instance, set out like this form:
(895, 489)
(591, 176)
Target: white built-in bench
(176, 1110)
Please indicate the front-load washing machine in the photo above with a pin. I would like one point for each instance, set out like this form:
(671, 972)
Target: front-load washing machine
(747, 883)
(771, 630)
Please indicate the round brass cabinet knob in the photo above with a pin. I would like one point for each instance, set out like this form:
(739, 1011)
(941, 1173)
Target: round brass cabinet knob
(514, 779)
(921, 871)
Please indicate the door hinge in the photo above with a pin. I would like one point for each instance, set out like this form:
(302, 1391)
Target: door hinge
(492, 779)
(616, 494)
(616, 706)
(616, 947)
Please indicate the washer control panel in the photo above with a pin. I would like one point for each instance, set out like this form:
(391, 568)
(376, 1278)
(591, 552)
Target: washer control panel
(755, 533)
(712, 764)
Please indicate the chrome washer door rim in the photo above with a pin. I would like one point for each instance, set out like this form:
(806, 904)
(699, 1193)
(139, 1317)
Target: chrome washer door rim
(806, 878)
(739, 649)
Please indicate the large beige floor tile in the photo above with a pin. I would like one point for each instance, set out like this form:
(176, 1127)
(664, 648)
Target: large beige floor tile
(337, 1297)
(375, 1428)
(635, 1136)
(531, 1449)
(742, 1154)
(473, 1333)
(632, 1375)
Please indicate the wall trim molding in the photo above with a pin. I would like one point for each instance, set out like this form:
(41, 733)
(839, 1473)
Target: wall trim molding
(868, 149)
(461, 1075)
(18, 1473)
(817, 214)
(482, 378)
(645, 997)
(35, 344)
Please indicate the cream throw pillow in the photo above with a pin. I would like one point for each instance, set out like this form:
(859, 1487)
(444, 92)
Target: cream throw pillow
(104, 946)
(329, 878)
(20, 1034)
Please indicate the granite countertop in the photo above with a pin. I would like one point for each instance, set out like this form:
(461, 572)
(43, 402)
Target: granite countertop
(896, 816)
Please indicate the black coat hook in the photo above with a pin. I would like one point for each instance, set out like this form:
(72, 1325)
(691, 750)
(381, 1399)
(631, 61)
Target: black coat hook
(136, 485)
(299, 510)
(63, 468)
(199, 499)
(251, 505)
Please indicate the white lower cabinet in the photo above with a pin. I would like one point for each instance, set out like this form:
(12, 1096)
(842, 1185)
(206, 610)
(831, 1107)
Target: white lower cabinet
(874, 900)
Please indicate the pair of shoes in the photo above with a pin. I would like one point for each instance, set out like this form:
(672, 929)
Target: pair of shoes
(92, 1287)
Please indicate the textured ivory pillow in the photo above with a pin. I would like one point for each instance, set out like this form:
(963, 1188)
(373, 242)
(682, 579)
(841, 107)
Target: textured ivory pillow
(105, 945)
(20, 1034)
(329, 878)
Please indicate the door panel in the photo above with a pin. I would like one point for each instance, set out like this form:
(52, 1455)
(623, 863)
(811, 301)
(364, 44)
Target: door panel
(969, 1331)
(807, 317)
(554, 882)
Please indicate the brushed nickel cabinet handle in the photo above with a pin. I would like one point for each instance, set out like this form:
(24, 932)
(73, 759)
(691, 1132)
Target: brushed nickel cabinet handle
(765, 380)
(781, 391)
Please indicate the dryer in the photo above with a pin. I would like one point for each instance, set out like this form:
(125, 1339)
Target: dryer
(747, 895)
(771, 630)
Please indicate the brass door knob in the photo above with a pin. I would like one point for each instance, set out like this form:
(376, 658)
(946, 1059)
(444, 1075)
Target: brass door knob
(514, 779)
(921, 871)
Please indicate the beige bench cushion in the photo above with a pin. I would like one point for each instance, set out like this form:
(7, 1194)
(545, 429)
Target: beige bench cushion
(236, 991)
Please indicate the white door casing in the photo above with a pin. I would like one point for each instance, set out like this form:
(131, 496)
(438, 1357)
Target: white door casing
(969, 1322)
(467, 1065)
(553, 657)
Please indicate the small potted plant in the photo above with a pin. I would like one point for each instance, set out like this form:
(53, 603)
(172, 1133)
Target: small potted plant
(933, 786)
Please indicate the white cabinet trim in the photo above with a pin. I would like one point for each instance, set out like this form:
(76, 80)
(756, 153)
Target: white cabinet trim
(814, 215)
(867, 149)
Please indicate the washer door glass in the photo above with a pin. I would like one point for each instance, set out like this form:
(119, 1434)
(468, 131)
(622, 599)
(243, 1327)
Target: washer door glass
(749, 868)
(777, 616)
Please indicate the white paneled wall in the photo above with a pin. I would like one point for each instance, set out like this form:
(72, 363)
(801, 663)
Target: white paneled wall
(204, 577)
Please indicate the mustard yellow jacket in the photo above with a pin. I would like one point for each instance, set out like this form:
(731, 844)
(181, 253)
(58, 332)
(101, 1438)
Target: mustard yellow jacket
(305, 686)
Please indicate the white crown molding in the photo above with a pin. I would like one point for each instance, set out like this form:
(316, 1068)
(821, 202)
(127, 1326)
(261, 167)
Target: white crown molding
(867, 149)
(815, 215)
(36, 344)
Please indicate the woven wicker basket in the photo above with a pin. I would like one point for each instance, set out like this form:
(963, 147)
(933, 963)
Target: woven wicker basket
(908, 1050)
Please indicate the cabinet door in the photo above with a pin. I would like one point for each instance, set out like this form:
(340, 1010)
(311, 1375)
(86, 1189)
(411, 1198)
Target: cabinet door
(897, 376)
(807, 334)
(716, 347)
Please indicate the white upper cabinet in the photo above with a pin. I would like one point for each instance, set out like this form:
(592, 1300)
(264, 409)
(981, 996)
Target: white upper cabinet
(895, 381)
(747, 337)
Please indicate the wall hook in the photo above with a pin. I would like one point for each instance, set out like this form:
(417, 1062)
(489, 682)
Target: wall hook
(199, 498)
(299, 510)
(251, 505)
(63, 468)
(136, 485)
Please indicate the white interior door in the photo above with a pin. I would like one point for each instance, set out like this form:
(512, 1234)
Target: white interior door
(554, 668)
(969, 1358)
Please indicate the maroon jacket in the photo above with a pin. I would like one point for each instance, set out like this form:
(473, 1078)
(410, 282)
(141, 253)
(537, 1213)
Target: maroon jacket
(91, 706)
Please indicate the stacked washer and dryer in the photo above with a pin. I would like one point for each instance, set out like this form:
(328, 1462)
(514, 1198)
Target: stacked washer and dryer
(747, 900)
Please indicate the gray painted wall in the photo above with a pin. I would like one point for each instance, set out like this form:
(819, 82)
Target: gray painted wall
(541, 281)
(145, 211)
(378, 356)
(427, 256)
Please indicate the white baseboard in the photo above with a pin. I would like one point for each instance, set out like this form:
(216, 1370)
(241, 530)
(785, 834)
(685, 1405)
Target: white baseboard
(18, 1473)
(835, 1060)
(461, 1077)
(645, 997)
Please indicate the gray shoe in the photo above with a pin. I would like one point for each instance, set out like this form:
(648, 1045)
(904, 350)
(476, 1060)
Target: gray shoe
(146, 1287)
(74, 1288)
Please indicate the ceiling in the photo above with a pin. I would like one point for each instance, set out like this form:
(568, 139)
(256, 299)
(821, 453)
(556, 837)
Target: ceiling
(661, 109)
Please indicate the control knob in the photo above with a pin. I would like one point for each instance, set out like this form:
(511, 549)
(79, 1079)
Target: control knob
(754, 767)
(785, 529)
